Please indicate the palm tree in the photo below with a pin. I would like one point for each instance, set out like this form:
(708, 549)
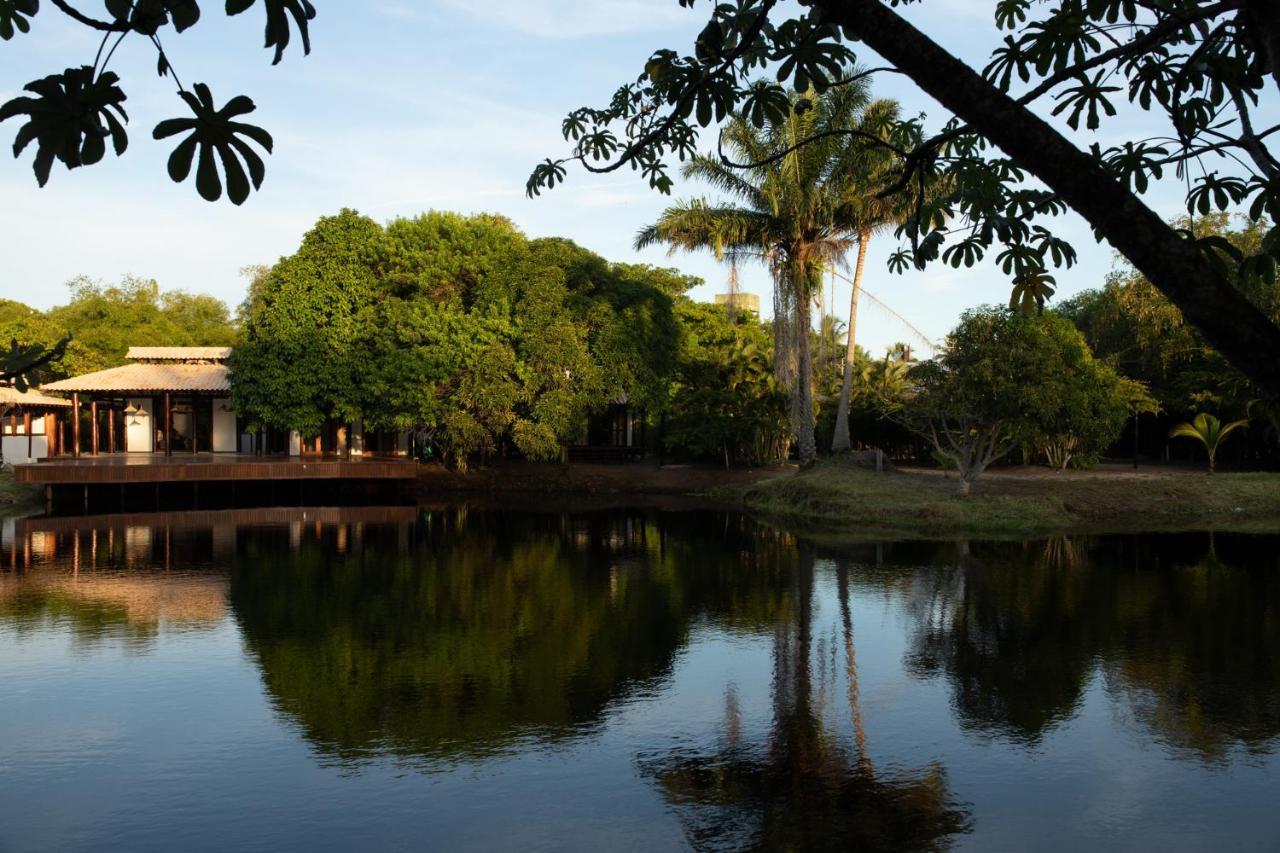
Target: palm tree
(1209, 431)
(870, 215)
(790, 212)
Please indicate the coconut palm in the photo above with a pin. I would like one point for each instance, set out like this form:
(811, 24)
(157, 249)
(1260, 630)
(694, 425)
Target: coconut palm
(790, 212)
(1209, 431)
(870, 215)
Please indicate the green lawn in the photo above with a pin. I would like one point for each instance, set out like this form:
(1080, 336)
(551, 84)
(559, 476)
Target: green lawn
(838, 498)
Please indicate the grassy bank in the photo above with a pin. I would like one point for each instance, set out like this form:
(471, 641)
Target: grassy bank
(837, 498)
(16, 499)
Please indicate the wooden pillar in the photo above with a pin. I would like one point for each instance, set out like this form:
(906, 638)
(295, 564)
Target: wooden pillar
(168, 424)
(111, 429)
(26, 424)
(93, 419)
(75, 423)
(51, 433)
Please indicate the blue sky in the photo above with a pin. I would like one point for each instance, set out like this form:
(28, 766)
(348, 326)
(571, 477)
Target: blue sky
(408, 106)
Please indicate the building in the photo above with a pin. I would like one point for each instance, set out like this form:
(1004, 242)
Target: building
(167, 400)
(178, 400)
(28, 424)
(740, 302)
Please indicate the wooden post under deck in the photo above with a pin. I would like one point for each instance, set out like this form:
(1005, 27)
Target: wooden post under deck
(168, 424)
(93, 419)
(75, 423)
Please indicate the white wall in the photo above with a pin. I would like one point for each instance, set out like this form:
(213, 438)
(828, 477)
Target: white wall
(224, 427)
(140, 437)
(295, 443)
(15, 449)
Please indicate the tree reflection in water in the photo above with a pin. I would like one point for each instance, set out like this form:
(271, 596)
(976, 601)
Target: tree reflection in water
(1185, 644)
(463, 635)
(805, 789)
(472, 634)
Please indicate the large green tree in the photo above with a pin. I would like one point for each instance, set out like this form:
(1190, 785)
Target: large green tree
(1005, 379)
(725, 403)
(456, 328)
(296, 364)
(1194, 72)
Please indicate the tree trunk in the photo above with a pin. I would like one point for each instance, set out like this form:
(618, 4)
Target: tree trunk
(802, 393)
(841, 439)
(1229, 321)
(963, 488)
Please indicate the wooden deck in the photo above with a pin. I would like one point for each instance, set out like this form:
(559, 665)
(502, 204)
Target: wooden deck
(131, 468)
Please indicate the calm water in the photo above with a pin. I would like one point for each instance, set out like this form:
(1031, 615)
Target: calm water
(628, 680)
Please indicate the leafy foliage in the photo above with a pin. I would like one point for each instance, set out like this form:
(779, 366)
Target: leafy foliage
(79, 108)
(794, 213)
(456, 328)
(1209, 431)
(1131, 324)
(725, 402)
(1006, 379)
(1198, 69)
(278, 31)
(14, 15)
(74, 113)
(212, 131)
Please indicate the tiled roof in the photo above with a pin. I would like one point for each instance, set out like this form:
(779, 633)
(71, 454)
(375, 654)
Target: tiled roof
(178, 353)
(150, 377)
(10, 396)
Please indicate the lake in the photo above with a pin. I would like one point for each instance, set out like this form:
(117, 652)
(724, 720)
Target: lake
(628, 679)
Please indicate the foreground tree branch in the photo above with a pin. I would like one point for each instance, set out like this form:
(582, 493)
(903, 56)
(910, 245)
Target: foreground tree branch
(1173, 264)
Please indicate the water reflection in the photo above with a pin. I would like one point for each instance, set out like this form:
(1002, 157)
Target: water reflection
(803, 787)
(448, 639)
(466, 633)
(1182, 630)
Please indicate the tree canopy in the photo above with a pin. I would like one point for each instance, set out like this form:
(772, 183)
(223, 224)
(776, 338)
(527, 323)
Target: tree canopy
(457, 328)
(1006, 379)
(103, 320)
(1198, 70)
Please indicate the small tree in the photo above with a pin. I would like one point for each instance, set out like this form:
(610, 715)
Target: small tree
(1006, 378)
(1209, 431)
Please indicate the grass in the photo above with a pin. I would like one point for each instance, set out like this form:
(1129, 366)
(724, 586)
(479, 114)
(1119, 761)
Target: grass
(835, 497)
(16, 498)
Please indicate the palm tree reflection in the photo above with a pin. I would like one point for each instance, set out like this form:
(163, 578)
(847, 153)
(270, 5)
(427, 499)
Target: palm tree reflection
(805, 788)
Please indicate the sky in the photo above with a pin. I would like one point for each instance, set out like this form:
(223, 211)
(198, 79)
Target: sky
(404, 107)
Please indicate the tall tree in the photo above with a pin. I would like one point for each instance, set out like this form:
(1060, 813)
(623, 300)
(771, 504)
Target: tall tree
(1199, 68)
(789, 212)
(871, 212)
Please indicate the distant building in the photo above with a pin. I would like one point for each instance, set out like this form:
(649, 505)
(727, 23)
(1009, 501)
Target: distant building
(740, 301)
(178, 400)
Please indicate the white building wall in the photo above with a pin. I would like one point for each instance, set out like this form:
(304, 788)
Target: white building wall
(17, 452)
(224, 427)
(140, 428)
